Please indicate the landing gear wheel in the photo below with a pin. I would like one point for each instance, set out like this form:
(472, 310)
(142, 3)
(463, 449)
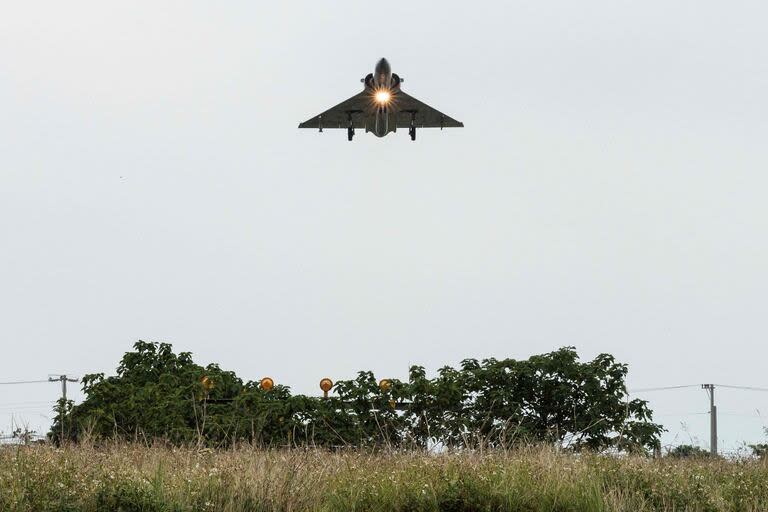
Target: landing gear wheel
(350, 133)
(412, 132)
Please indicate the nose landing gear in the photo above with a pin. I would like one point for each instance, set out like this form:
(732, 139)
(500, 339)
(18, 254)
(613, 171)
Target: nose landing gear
(412, 132)
(350, 133)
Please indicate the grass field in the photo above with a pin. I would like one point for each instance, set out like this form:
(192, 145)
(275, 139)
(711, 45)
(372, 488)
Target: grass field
(138, 478)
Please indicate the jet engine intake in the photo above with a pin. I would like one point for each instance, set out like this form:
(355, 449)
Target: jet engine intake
(368, 81)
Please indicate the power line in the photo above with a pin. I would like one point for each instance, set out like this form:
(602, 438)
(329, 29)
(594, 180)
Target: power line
(746, 388)
(664, 388)
(677, 414)
(710, 388)
(729, 386)
(26, 409)
(22, 382)
(40, 405)
(27, 402)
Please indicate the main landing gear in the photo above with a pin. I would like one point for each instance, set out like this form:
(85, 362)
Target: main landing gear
(350, 126)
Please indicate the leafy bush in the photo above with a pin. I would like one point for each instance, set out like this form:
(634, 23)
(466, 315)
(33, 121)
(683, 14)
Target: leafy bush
(685, 451)
(553, 398)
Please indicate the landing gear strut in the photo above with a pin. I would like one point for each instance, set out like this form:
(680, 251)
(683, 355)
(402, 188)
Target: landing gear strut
(350, 133)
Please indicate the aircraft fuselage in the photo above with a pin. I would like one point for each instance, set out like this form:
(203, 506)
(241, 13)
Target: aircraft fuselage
(382, 84)
(382, 77)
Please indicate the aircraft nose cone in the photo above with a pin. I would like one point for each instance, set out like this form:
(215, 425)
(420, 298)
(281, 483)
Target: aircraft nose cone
(382, 66)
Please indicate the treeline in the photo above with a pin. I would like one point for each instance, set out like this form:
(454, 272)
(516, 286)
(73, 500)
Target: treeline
(552, 398)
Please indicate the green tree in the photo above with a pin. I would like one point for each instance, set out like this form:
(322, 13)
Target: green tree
(546, 398)
(551, 398)
(156, 394)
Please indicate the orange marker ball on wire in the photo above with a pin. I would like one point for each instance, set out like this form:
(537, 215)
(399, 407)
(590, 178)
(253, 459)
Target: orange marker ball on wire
(267, 383)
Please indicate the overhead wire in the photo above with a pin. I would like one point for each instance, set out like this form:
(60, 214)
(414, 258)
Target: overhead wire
(22, 382)
(746, 388)
(663, 388)
(28, 402)
(676, 414)
(728, 386)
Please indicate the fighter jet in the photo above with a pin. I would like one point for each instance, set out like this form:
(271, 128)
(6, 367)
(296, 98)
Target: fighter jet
(381, 108)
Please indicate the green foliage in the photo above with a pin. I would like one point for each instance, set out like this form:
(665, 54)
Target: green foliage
(687, 451)
(551, 398)
(760, 450)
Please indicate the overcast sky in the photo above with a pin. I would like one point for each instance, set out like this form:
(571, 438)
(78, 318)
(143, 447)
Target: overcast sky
(608, 192)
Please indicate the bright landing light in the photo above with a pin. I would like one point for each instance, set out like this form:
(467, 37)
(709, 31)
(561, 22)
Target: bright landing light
(382, 96)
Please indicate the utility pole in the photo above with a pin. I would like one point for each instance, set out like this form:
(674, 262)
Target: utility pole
(63, 379)
(712, 418)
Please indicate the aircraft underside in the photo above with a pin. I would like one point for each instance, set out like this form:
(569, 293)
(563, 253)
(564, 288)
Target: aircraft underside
(381, 108)
(382, 123)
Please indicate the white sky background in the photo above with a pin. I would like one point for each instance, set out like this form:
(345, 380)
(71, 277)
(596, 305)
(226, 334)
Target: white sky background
(608, 192)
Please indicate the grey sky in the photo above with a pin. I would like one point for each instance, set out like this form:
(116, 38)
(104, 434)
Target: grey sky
(608, 192)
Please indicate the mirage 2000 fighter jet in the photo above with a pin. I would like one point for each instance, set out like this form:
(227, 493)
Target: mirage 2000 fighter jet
(381, 108)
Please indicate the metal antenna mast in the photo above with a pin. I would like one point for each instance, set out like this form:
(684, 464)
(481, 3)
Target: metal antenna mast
(712, 418)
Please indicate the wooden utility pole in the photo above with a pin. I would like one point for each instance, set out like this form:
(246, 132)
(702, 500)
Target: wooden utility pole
(712, 418)
(63, 379)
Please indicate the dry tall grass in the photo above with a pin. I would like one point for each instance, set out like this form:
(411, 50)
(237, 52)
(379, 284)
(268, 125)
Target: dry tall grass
(139, 478)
